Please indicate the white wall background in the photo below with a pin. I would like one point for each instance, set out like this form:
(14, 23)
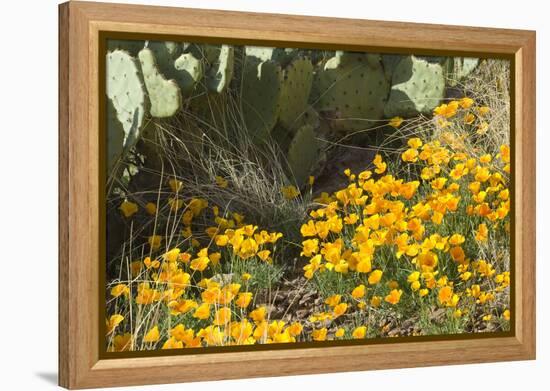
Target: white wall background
(28, 191)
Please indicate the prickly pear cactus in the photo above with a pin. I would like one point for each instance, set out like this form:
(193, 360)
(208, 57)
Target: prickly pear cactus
(283, 56)
(458, 68)
(303, 154)
(131, 46)
(126, 91)
(165, 95)
(418, 86)
(115, 137)
(352, 88)
(190, 72)
(220, 74)
(260, 95)
(389, 62)
(260, 52)
(308, 117)
(165, 54)
(205, 52)
(186, 69)
(296, 87)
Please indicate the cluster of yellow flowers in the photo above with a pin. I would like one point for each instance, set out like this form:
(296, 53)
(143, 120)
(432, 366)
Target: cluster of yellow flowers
(221, 311)
(422, 237)
(174, 283)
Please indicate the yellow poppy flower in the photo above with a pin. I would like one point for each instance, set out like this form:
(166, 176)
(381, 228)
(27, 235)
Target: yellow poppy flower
(319, 334)
(358, 292)
(120, 289)
(154, 241)
(128, 208)
(172, 255)
(290, 192)
(375, 276)
(221, 182)
(410, 155)
(243, 299)
(151, 208)
(172, 343)
(175, 185)
(359, 332)
(122, 343)
(380, 165)
(152, 335)
(340, 309)
(482, 233)
(395, 122)
(466, 102)
(333, 300)
(375, 301)
(447, 110)
(258, 314)
(222, 316)
(113, 322)
(295, 329)
(202, 312)
(394, 296)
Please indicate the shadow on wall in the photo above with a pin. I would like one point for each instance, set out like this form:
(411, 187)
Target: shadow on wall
(48, 377)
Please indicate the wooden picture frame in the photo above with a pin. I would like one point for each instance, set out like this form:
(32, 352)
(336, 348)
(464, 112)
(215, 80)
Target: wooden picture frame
(80, 26)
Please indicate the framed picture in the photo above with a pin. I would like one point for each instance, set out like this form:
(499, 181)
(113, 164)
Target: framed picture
(247, 195)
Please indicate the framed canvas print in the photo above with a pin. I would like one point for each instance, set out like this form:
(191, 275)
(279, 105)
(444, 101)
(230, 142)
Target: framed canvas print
(249, 195)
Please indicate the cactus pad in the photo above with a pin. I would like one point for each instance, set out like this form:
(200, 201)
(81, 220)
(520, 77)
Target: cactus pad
(115, 136)
(165, 95)
(353, 89)
(283, 56)
(131, 46)
(459, 67)
(205, 52)
(389, 62)
(221, 72)
(126, 92)
(303, 154)
(190, 71)
(418, 86)
(186, 69)
(260, 95)
(296, 87)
